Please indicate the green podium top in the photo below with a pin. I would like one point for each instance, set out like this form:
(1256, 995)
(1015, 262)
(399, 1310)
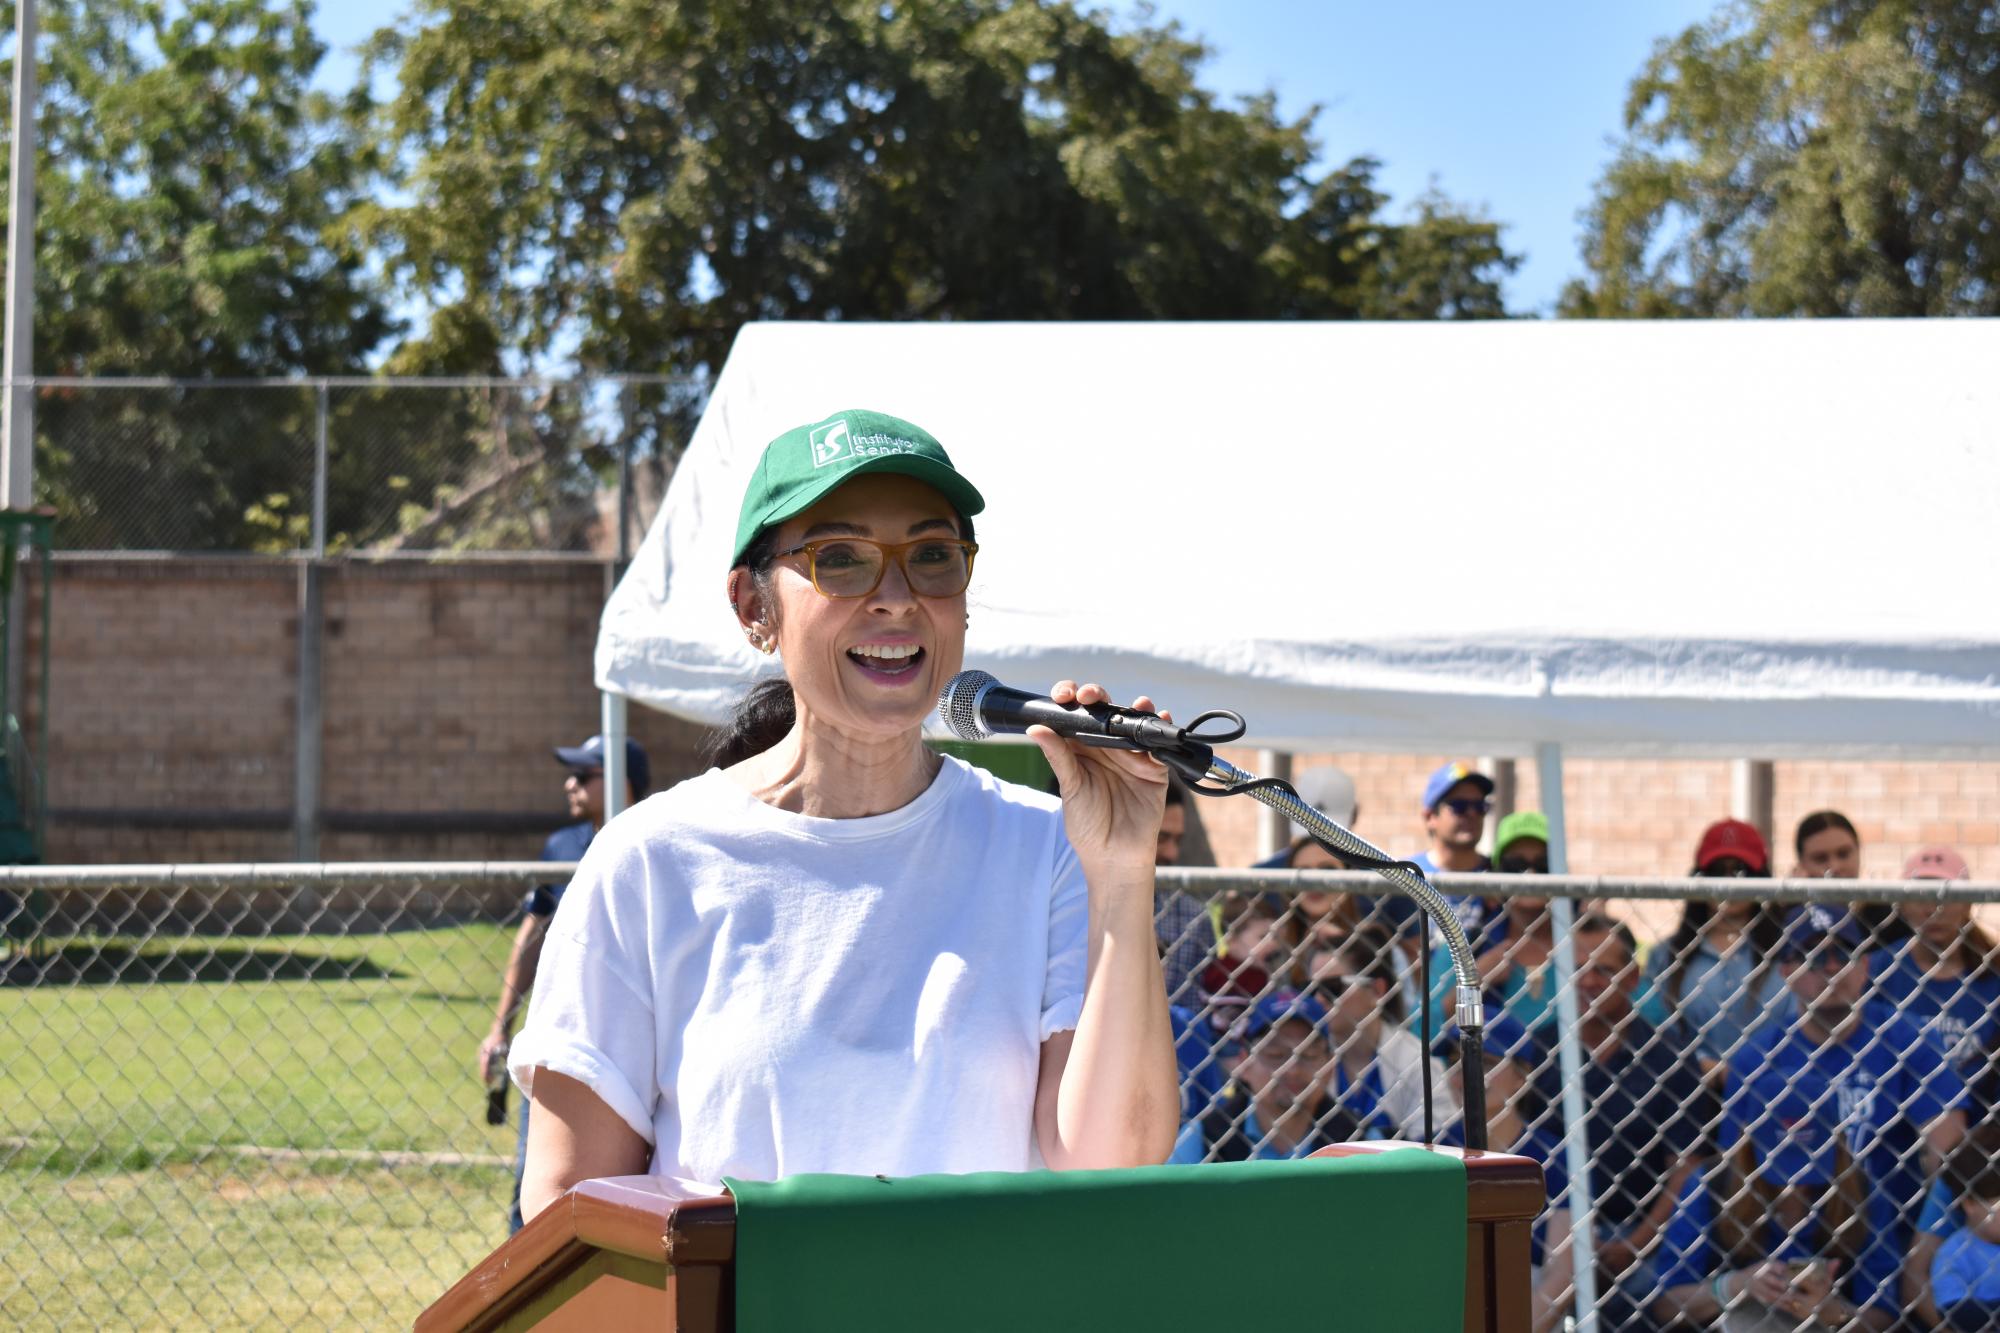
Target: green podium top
(1357, 1243)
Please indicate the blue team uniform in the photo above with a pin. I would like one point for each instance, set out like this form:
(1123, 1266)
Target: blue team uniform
(1877, 1089)
(1960, 1014)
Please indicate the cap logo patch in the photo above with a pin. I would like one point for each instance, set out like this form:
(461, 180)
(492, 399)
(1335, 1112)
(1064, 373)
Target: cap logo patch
(829, 443)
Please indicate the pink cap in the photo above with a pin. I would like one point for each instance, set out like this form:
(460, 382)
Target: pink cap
(1936, 863)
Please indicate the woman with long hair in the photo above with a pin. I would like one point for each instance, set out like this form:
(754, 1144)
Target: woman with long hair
(1714, 978)
(1766, 1241)
(845, 952)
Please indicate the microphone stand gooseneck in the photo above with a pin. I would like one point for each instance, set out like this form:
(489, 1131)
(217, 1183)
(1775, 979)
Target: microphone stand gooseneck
(1191, 753)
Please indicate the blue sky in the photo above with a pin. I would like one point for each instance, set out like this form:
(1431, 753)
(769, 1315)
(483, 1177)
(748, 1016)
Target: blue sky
(1510, 108)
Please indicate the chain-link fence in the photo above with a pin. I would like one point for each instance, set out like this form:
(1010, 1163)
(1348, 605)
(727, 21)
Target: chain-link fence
(329, 466)
(246, 1097)
(1776, 1115)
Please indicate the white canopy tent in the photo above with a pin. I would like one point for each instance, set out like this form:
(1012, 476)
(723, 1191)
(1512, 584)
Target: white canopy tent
(1694, 539)
(1668, 539)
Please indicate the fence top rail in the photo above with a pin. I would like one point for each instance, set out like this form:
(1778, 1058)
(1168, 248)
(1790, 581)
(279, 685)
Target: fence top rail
(1199, 880)
(334, 381)
(1204, 881)
(283, 874)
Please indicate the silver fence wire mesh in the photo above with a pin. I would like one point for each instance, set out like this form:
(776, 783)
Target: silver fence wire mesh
(352, 465)
(240, 1097)
(1786, 1090)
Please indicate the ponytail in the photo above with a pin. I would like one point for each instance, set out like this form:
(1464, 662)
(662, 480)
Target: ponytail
(758, 723)
(770, 709)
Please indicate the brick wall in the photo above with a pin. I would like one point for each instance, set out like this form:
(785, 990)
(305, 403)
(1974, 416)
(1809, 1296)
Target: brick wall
(173, 704)
(1643, 817)
(445, 682)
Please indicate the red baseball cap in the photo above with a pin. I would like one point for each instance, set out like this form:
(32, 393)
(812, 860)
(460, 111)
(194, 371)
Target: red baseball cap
(1936, 863)
(1732, 837)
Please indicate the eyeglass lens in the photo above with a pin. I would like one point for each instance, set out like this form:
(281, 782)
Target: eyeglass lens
(854, 568)
(1463, 806)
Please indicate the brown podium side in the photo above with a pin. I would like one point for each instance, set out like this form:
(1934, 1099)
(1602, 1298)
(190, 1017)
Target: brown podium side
(629, 1252)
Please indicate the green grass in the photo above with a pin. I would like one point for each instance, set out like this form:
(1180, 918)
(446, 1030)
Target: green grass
(227, 1245)
(117, 1086)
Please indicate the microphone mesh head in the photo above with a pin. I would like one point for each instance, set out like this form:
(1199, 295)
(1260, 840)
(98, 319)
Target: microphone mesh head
(958, 704)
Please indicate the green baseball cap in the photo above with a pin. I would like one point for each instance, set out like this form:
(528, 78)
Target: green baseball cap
(809, 462)
(1521, 824)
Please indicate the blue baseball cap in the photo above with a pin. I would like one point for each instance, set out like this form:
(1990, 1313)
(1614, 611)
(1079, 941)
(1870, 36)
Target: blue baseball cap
(590, 754)
(1450, 776)
(1817, 931)
(1272, 1010)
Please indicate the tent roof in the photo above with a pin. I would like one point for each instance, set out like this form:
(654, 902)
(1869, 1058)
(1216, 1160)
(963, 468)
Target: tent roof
(1749, 538)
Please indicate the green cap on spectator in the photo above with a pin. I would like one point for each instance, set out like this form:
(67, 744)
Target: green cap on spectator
(808, 462)
(1521, 824)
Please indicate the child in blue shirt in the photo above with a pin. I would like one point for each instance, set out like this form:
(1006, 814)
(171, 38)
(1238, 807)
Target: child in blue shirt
(1965, 1276)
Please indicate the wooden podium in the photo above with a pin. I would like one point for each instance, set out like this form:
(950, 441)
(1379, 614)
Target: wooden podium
(627, 1252)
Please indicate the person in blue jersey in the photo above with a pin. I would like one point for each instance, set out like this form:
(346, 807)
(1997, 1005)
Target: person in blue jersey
(1762, 1241)
(583, 793)
(1716, 976)
(1944, 975)
(1944, 1215)
(1516, 936)
(1379, 1065)
(1519, 1120)
(1277, 1105)
(1962, 1291)
(1846, 1080)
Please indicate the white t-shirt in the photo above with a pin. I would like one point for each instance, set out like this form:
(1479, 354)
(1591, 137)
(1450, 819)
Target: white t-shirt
(759, 993)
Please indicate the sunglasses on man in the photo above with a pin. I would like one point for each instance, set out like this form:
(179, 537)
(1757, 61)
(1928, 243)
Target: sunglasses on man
(1524, 865)
(1462, 805)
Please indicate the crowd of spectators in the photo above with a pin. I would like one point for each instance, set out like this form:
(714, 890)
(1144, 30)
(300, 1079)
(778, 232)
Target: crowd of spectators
(1788, 1113)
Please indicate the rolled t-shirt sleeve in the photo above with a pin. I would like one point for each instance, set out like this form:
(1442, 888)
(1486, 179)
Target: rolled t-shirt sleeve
(1069, 944)
(592, 1017)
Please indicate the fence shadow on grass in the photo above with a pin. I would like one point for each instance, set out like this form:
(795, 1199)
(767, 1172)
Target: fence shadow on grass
(84, 963)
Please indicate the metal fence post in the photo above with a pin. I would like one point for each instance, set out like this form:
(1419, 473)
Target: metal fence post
(1753, 794)
(613, 729)
(319, 473)
(1569, 1054)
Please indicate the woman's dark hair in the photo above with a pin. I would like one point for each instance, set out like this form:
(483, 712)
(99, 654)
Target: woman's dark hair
(770, 709)
(1765, 929)
(1819, 821)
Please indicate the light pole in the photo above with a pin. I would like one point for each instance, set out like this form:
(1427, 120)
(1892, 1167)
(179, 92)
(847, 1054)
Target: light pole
(17, 417)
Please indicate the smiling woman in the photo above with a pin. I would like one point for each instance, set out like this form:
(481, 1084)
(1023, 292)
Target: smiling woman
(838, 951)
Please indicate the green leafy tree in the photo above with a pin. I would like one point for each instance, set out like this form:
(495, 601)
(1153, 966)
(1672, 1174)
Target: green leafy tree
(1802, 158)
(188, 183)
(631, 181)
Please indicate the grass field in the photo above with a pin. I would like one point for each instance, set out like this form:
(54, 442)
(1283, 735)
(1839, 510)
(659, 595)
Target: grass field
(132, 1093)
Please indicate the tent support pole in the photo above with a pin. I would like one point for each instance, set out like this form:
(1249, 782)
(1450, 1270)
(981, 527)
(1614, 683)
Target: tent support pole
(1274, 831)
(1569, 1051)
(613, 727)
(1753, 791)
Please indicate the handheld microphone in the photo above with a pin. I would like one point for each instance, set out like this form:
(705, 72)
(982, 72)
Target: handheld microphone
(976, 707)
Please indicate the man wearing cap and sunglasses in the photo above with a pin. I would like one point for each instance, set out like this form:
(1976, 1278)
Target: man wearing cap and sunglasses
(583, 789)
